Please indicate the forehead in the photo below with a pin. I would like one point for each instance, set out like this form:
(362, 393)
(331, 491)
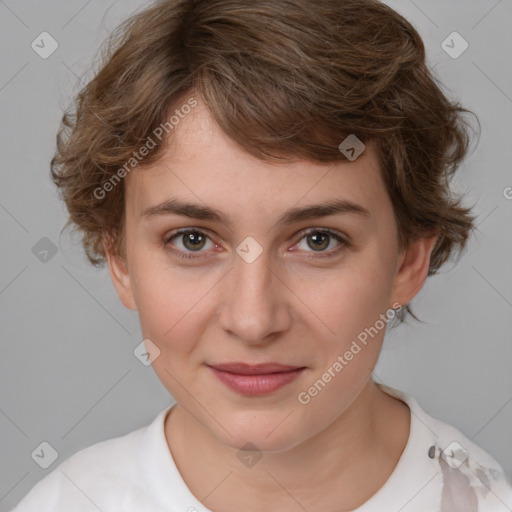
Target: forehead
(201, 164)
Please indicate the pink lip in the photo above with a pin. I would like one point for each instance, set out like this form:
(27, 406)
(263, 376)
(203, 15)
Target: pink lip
(259, 379)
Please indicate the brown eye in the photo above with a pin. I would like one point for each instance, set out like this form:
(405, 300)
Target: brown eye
(193, 240)
(187, 241)
(319, 240)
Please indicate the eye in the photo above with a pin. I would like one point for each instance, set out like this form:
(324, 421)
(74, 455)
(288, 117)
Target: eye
(191, 240)
(319, 240)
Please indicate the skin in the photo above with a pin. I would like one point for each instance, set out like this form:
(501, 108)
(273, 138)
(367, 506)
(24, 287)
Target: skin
(336, 451)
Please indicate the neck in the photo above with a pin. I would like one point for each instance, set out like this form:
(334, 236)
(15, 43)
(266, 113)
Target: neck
(336, 468)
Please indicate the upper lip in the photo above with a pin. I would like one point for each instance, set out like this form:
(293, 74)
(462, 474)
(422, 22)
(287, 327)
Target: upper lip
(254, 369)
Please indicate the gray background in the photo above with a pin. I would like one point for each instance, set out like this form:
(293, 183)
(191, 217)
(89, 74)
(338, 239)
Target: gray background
(68, 375)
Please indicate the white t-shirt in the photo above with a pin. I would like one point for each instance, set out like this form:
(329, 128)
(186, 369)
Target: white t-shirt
(136, 473)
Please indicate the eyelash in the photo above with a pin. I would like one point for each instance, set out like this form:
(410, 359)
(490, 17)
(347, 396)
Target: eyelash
(332, 253)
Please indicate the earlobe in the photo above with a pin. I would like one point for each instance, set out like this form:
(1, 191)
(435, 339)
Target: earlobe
(413, 266)
(121, 278)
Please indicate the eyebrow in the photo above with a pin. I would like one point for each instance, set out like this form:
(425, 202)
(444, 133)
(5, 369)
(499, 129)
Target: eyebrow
(196, 211)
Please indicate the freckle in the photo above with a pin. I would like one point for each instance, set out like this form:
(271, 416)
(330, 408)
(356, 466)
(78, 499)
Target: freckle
(432, 451)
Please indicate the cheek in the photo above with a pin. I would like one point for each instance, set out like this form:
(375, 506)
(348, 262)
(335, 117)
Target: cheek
(346, 300)
(350, 305)
(171, 305)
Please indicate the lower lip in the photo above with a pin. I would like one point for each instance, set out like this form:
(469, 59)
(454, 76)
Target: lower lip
(252, 385)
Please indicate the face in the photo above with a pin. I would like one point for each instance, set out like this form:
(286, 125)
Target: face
(254, 284)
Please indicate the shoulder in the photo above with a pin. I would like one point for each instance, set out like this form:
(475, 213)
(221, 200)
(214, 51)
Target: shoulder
(466, 477)
(470, 474)
(92, 478)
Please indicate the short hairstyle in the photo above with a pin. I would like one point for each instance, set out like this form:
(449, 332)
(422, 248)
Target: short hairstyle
(285, 80)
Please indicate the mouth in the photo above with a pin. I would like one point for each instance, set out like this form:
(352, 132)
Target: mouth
(259, 379)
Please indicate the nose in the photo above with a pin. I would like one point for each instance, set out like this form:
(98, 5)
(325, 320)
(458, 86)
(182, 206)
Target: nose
(256, 305)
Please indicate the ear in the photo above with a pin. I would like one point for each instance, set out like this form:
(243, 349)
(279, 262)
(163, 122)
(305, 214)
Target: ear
(120, 276)
(412, 269)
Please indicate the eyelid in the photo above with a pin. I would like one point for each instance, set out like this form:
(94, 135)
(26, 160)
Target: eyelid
(329, 231)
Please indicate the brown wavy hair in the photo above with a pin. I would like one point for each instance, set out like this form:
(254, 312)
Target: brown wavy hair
(285, 79)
